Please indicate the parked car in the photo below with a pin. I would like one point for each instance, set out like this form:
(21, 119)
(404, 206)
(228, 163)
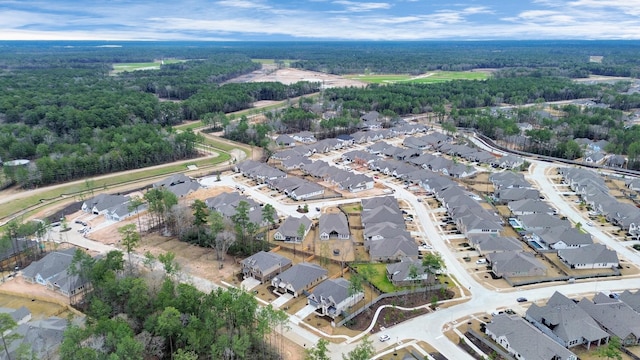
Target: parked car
(384, 337)
(590, 223)
(521, 299)
(481, 261)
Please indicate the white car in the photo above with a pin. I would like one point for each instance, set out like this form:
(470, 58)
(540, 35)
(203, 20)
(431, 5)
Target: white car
(590, 223)
(384, 337)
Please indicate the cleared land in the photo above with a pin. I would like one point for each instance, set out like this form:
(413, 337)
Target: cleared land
(154, 65)
(428, 78)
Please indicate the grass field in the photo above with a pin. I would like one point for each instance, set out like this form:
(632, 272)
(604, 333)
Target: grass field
(429, 78)
(380, 280)
(155, 65)
(27, 202)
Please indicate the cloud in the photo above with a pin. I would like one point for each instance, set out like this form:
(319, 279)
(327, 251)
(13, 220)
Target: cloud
(319, 19)
(353, 6)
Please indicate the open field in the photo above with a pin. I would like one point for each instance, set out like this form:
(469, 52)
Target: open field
(286, 62)
(432, 77)
(155, 65)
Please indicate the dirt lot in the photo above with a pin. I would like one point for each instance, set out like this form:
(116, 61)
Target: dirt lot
(289, 76)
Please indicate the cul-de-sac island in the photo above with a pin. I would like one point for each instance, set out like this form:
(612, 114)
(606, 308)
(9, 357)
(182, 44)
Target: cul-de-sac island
(427, 200)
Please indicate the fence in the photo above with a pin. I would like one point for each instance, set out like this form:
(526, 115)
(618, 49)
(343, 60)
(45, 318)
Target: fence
(383, 296)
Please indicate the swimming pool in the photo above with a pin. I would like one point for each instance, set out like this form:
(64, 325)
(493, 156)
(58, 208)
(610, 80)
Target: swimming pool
(535, 244)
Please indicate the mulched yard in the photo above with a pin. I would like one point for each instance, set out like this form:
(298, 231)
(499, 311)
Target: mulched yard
(391, 316)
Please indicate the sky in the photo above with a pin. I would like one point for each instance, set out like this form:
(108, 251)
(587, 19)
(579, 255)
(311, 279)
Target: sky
(317, 20)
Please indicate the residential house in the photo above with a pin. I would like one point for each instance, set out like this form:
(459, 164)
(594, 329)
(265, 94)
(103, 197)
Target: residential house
(565, 322)
(509, 180)
(616, 318)
(616, 161)
(485, 244)
(524, 341)
(529, 206)
(536, 222)
(299, 278)
(179, 184)
(52, 271)
(227, 204)
(334, 226)
(357, 182)
(408, 272)
(102, 203)
(515, 264)
(264, 266)
(505, 196)
(631, 299)
(285, 140)
(562, 237)
(594, 157)
(295, 162)
(392, 249)
(42, 337)
(306, 190)
(413, 142)
(633, 184)
(290, 227)
(507, 162)
(594, 256)
(333, 296)
(305, 137)
(371, 121)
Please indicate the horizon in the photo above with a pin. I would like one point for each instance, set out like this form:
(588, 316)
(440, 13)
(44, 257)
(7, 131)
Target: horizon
(319, 20)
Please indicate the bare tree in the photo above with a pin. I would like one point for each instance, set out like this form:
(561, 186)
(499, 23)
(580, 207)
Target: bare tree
(222, 242)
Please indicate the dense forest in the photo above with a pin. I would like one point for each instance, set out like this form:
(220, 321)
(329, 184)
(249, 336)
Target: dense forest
(64, 110)
(132, 315)
(63, 107)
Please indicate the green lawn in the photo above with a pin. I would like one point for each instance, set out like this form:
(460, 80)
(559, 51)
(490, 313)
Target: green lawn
(380, 280)
(432, 77)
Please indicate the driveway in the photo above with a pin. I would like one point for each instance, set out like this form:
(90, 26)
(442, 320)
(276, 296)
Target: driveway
(281, 300)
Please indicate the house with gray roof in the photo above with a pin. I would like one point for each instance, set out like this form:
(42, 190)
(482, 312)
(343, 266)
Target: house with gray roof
(357, 182)
(334, 226)
(227, 204)
(562, 237)
(392, 249)
(536, 222)
(172, 181)
(43, 337)
(295, 162)
(515, 264)
(299, 278)
(285, 140)
(183, 189)
(407, 272)
(414, 142)
(306, 190)
(101, 203)
(52, 272)
(594, 256)
(633, 184)
(20, 315)
(509, 180)
(524, 341)
(485, 243)
(305, 137)
(332, 297)
(288, 230)
(264, 266)
(507, 162)
(566, 323)
(505, 196)
(529, 206)
(616, 318)
(631, 299)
